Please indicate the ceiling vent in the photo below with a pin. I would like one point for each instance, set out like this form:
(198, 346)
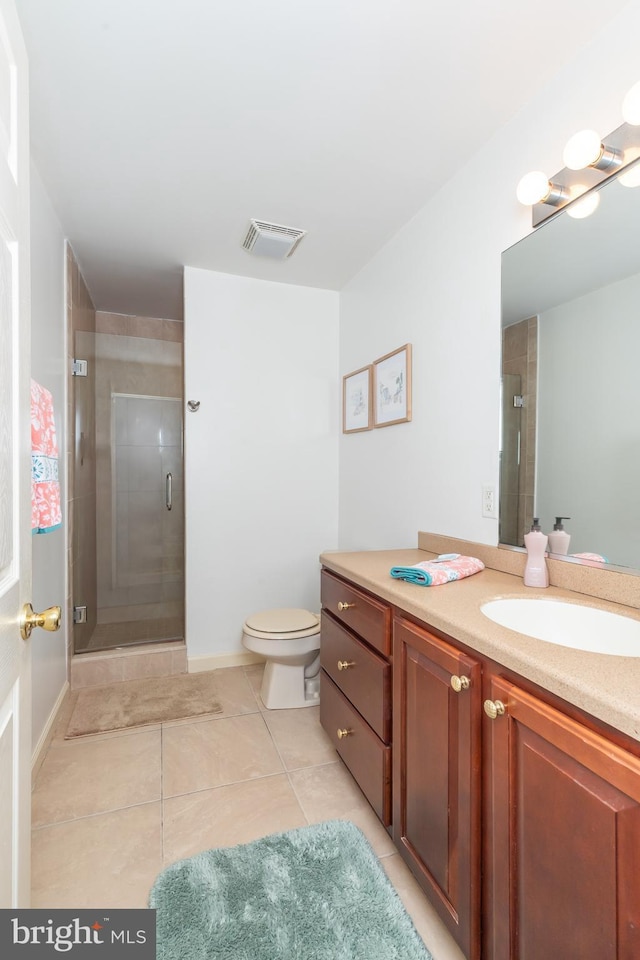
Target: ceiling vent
(272, 239)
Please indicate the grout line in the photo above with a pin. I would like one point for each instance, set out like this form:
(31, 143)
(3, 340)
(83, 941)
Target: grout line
(92, 816)
(162, 811)
(223, 786)
(288, 773)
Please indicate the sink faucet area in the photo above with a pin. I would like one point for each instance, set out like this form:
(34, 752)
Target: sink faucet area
(568, 624)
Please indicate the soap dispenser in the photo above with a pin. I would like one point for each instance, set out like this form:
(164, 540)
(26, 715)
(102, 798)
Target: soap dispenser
(559, 539)
(535, 571)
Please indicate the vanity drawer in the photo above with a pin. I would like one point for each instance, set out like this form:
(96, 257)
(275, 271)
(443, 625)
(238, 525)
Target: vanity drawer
(360, 673)
(369, 618)
(366, 756)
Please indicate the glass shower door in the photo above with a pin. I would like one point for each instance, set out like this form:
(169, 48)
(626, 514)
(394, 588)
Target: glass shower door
(126, 487)
(511, 522)
(142, 598)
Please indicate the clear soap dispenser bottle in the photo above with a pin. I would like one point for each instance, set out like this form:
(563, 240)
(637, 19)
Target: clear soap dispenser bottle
(559, 539)
(535, 571)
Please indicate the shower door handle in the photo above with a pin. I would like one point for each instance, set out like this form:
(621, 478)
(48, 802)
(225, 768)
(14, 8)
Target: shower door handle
(169, 491)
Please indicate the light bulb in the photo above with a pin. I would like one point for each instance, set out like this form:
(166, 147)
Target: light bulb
(631, 178)
(582, 150)
(533, 188)
(631, 106)
(585, 207)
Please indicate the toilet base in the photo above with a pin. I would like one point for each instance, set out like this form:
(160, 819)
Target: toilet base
(283, 687)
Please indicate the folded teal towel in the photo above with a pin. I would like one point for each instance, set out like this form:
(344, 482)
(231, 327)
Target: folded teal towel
(430, 573)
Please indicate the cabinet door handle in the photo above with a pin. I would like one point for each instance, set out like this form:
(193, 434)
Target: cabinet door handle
(345, 664)
(343, 732)
(460, 683)
(494, 708)
(342, 605)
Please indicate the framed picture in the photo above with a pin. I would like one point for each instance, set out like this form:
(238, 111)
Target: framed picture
(392, 387)
(356, 401)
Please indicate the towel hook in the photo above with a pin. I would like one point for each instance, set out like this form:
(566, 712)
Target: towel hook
(193, 405)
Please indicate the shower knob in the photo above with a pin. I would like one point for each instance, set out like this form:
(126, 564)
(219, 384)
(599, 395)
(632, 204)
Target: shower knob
(193, 405)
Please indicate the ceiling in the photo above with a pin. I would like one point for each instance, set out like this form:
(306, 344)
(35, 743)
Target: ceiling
(159, 127)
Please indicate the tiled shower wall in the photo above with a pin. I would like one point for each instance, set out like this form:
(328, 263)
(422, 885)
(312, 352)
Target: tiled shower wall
(520, 357)
(81, 457)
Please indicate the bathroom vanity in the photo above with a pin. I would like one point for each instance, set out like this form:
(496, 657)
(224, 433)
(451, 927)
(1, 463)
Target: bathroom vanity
(355, 698)
(506, 769)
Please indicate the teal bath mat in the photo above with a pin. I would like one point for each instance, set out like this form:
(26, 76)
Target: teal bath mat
(315, 893)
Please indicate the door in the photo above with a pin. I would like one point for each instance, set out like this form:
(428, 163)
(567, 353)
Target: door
(15, 508)
(563, 836)
(436, 775)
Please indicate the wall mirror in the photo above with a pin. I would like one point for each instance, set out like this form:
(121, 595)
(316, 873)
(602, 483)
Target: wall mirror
(570, 431)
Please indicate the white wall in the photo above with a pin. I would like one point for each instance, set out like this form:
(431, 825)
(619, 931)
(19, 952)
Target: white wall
(588, 431)
(254, 541)
(437, 285)
(48, 367)
(261, 459)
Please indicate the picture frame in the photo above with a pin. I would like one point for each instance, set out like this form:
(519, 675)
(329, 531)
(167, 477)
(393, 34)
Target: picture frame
(357, 401)
(392, 387)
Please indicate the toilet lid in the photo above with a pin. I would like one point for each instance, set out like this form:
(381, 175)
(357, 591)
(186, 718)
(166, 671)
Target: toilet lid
(282, 621)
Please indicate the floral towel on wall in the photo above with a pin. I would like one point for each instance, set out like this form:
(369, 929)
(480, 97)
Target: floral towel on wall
(46, 513)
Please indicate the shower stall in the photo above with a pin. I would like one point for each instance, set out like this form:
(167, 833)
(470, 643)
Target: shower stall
(518, 430)
(127, 503)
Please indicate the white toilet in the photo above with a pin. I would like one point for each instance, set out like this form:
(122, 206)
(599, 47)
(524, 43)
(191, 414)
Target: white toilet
(289, 640)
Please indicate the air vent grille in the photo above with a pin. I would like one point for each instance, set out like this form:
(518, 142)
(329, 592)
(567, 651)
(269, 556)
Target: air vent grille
(272, 239)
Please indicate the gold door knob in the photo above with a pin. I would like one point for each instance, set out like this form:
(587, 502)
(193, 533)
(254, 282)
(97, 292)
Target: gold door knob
(494, 708)
(49, 619)
(460, 683)
(345, 664)
(345, 606)
(343, 732)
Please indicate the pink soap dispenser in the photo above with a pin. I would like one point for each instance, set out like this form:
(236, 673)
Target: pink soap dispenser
(535, 571)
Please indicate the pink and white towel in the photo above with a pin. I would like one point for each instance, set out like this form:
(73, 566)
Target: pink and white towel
(46, 512)
(597, 557)
(431, 573)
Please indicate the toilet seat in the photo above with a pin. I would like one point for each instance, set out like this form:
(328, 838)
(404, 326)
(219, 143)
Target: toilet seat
(283, 624)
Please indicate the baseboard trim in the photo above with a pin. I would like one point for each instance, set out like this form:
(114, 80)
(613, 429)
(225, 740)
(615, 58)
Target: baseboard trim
(47, 734)
(219, 661)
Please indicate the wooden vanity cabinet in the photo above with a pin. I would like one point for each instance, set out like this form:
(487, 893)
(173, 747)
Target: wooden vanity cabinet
(355, 686)
(520, 819)
(562, 835)
(436, 774)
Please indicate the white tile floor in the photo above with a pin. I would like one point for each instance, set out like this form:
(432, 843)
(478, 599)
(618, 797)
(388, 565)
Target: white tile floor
(110, 811)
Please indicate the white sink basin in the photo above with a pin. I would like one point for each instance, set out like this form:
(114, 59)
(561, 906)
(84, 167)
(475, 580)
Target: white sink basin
(568, 624)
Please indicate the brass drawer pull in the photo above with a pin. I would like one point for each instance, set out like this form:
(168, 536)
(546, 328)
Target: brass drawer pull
(460, 683)
(343, 732)
(345, 664)
(494, 708)
(345, 606)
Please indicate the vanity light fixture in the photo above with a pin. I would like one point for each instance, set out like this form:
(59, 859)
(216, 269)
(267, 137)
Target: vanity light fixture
(590, 161)
(535, 187)
(631, 177)
(586, 149)
(585, 206)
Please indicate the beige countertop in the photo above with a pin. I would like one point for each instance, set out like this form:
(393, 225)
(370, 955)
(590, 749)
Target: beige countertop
(605, 686)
